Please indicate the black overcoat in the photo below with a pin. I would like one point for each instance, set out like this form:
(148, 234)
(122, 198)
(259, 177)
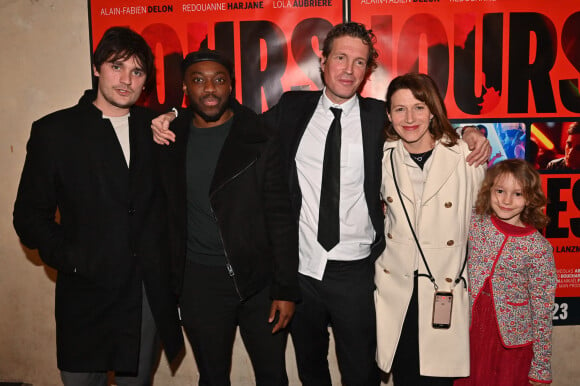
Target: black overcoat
(110, 241)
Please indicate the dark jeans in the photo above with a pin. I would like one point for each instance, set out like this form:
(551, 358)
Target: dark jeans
(211, 311)
(343, 300)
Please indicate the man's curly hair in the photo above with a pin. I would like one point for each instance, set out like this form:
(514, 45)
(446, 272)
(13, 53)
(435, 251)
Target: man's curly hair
(355, 30)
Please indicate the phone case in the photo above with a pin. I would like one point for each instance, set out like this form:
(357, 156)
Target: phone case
(442, 307)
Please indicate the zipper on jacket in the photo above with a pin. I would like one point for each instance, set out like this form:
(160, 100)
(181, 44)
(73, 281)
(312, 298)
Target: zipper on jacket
(229, 267)
(233, 177)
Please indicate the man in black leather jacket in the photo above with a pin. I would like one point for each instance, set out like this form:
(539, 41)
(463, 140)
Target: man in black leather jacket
(231, 226)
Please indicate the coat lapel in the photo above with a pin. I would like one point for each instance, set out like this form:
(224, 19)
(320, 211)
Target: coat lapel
(239, 151)
(445, 160)
(403, 180)
(173, 164)
(136, 161)
(370, 145)
(304, 115)
(106, 155)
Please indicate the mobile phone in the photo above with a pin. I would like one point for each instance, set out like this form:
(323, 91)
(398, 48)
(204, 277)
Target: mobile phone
(442, 306)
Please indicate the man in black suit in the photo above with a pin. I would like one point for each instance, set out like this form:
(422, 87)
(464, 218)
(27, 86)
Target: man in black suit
(95, 164)
(336, 280)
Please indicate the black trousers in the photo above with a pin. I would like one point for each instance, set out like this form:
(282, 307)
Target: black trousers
(405, 369)
(211, 311)
(343, 300)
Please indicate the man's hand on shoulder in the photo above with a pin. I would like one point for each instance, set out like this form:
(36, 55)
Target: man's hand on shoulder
(478, 144)
(160, 127)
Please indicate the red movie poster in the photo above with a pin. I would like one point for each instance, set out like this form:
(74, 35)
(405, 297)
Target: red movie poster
(563, 191)
(490, 58)
(509, 67)
(274, 44)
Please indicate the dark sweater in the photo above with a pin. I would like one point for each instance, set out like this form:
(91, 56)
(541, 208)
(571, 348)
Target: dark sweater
(204, 244)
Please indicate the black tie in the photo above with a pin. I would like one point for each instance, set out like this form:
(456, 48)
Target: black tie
(328, 222)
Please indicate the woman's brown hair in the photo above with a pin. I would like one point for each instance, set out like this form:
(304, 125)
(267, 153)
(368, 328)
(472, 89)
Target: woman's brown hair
(529, 180)
(424, 89)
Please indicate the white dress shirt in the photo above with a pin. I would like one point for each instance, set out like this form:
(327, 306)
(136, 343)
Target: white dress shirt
(356, 229)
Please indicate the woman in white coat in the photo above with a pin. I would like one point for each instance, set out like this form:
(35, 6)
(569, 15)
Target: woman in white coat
(426, 159)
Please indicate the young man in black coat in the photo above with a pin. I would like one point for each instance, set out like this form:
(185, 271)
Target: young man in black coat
(94, 163)
(231, 227)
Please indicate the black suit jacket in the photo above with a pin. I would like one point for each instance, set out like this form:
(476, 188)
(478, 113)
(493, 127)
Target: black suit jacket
(250, 200)
(110, 240)
(291, 116)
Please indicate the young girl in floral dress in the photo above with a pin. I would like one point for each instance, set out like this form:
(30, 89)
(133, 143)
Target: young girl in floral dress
(512, 280)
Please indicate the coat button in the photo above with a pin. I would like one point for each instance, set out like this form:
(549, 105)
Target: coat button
(390, 236)
(131, 211)
(389, 199)
(450, 242)
(448, 204)
(448, 279)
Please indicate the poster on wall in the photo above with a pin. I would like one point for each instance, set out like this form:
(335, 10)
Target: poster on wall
(563, 231)
(274, 44)
(510, 68)
(491, 59)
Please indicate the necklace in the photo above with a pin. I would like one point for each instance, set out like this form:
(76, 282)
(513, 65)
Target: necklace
(419, 157)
